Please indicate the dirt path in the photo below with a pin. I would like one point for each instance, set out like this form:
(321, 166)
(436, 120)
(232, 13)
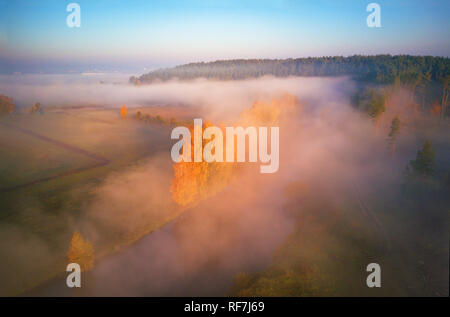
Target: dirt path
(368, 213)
(99, 160)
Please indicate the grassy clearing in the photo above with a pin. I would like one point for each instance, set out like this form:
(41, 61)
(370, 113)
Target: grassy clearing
(37, 221)
(25, 158)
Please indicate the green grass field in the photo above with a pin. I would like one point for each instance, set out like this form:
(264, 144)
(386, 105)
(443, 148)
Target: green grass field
(26, 158)
(38, 219)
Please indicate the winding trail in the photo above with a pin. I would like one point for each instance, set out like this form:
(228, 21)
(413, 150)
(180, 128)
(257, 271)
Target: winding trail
(99, 160)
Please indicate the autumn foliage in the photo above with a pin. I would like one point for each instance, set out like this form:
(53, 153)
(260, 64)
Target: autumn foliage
(194, 181)
(7, 105)
(270, 113)
(81, 252)
(123, 112)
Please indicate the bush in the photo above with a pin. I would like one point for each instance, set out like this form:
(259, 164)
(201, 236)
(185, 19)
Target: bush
(7, 105)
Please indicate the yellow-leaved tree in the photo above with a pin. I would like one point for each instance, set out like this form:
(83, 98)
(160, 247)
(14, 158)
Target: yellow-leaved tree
(81, 252)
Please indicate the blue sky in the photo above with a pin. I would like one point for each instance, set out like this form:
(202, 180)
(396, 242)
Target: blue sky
(133, 34)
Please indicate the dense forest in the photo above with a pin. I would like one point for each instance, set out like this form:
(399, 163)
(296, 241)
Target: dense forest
(427, 76)
(383, 69)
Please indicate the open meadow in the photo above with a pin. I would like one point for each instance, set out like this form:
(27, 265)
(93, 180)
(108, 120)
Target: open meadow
(52, 164)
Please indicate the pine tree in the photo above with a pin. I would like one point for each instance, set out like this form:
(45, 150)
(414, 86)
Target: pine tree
(376, 106)
(392, 137)
(423, 165)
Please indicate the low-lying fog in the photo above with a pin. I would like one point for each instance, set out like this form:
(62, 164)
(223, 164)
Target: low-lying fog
(220, 98)
(327, 145)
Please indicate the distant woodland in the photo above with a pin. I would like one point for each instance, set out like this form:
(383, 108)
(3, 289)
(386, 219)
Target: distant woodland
(385, 69)
(428, 77)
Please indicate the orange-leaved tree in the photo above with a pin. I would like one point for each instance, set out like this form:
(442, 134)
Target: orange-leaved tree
(123, 112)
(81, 252)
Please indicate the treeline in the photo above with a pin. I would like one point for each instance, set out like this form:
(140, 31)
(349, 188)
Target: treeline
(7, 107)
(148, 118)
(383, 69)
(427, 77)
